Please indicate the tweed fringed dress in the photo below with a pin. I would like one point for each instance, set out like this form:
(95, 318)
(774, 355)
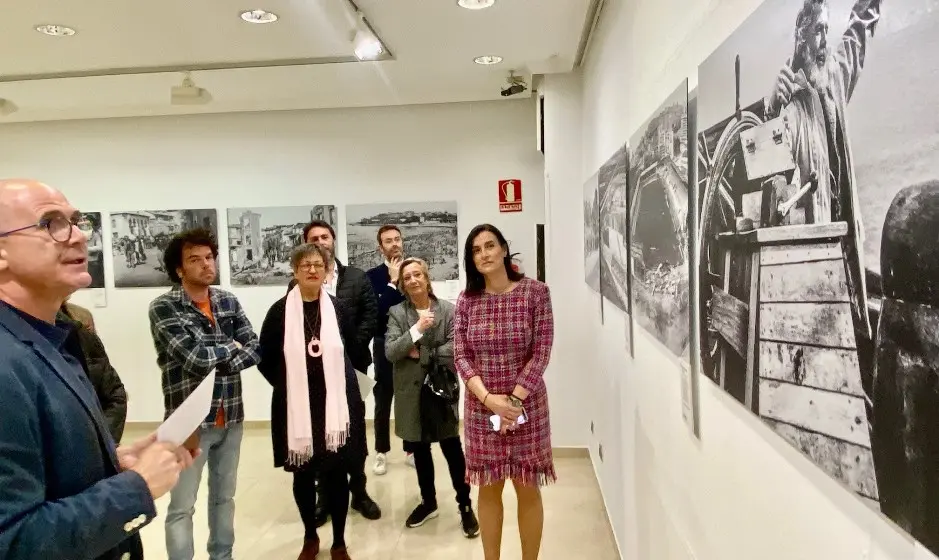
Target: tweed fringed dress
(506, 339)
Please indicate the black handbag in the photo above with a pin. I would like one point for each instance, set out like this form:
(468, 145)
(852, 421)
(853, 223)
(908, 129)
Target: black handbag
(441, 380)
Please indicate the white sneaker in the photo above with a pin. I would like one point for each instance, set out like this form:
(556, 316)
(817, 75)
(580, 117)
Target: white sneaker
(409, 459)
(381, 464)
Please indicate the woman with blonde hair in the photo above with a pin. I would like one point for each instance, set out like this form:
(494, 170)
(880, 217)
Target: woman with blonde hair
(419, 344)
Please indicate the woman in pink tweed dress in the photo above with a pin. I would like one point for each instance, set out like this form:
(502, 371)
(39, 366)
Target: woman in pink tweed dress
(503, 331)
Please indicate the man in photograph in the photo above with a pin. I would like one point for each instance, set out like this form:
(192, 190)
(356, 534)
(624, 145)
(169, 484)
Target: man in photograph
(384, 279)
(66, 488)
(812, 91)
(196, 329)
(350, 286)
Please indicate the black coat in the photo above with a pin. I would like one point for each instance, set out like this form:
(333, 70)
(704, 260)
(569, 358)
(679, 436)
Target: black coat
(107, 383)
(354, 290)
(274, 369)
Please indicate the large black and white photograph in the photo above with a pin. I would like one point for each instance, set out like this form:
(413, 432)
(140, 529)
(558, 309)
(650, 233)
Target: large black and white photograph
(612, 191)
(428, 230)
(658, 210)
(818, 186)
(592, 234)
(139, 237)
(260, 241)
(95, 249)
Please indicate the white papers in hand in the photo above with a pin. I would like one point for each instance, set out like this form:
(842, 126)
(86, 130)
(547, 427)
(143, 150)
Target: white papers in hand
(366, 384)
(189, 416)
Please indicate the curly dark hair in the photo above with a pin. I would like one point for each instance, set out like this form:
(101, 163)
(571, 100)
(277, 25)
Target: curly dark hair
(173, 254)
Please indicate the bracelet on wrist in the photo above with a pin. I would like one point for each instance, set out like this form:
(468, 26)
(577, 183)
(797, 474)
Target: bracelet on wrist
(486, 397)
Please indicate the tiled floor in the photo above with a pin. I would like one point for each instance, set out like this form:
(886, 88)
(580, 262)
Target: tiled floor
(268, 526)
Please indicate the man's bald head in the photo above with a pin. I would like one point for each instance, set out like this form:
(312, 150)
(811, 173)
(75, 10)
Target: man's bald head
(16, 193)
(43, 256)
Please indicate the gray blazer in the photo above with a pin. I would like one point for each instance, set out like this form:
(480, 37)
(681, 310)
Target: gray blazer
(408, 372)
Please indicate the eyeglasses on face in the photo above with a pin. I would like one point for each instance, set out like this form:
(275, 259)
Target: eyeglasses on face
(308, 265)
(58, 226)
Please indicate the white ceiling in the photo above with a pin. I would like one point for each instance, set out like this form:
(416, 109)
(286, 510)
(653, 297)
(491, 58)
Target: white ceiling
(432, 45)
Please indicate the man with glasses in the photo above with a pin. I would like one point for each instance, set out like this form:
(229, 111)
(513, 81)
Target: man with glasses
(66, 488)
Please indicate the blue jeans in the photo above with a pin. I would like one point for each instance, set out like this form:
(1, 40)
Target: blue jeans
(221, 448)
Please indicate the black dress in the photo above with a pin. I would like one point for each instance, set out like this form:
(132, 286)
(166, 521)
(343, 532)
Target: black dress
(273, 368)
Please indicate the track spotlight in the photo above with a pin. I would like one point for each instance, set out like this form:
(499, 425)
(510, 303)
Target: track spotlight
(364, 43)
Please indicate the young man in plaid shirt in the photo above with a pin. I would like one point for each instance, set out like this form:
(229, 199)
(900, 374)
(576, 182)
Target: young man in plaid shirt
(198, 328)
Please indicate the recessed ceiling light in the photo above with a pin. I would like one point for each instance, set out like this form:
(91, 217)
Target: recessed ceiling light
(475, 4)
(259, 16)
(487, 60)
(55, 30)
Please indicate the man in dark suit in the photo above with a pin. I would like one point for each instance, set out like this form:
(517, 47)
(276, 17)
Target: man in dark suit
(66, 489)
(384, 279)
(350, 286)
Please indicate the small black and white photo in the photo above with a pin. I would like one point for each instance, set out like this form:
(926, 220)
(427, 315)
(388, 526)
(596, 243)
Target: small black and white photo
(612, 191)
(818, 194)
(428, 231)
(260, 240)
(592, 234)
(95, 249)
(139, 237)
(658, 205)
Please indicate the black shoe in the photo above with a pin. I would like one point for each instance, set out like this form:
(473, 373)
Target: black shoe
(469, 522)
(421, 513)
(367, 507)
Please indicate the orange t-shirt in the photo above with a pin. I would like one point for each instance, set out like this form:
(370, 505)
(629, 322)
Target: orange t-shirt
(206, 308)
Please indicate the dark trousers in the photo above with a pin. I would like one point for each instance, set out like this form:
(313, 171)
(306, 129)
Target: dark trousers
(456, 463)
(384, 392)
(335, 489)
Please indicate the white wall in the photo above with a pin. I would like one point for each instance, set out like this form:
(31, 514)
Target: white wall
(739, 491)
(434, 152)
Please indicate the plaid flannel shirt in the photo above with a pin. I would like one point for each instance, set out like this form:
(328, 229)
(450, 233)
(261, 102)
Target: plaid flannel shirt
(189, 347)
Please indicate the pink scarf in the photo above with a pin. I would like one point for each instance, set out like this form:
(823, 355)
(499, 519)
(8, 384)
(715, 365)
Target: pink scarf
(299, 424)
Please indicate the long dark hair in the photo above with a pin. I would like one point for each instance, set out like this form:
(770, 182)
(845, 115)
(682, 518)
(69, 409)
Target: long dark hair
(475, 281)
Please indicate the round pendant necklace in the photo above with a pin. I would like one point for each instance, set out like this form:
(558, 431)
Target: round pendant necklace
(314, 348)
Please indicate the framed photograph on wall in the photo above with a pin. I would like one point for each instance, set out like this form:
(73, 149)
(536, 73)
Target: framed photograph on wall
(428, 230)
(260, 241)
(139, 237)
(818, 198)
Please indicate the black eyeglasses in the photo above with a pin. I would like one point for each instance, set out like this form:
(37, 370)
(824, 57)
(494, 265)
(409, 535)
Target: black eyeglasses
(59, 227)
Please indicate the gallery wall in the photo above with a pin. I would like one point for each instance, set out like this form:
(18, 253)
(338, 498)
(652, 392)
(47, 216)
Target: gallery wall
(454, 154)
(733, 488)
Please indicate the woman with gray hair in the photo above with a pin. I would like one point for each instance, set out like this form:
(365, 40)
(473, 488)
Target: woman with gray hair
(316, 404)
(419, 344)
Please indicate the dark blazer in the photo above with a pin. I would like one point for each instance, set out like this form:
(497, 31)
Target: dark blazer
(107, 383)
(354, 290)
(273, 367)
(388, 296)
(62, 493)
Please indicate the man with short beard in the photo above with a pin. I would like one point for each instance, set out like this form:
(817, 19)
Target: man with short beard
(384, 279)
(350, 285)
(196, 329)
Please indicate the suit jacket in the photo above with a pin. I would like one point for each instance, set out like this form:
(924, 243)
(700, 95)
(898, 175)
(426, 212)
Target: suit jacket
(62, 492)
(354, 290)
(388, 296)
(107, 383)
(409, 373)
